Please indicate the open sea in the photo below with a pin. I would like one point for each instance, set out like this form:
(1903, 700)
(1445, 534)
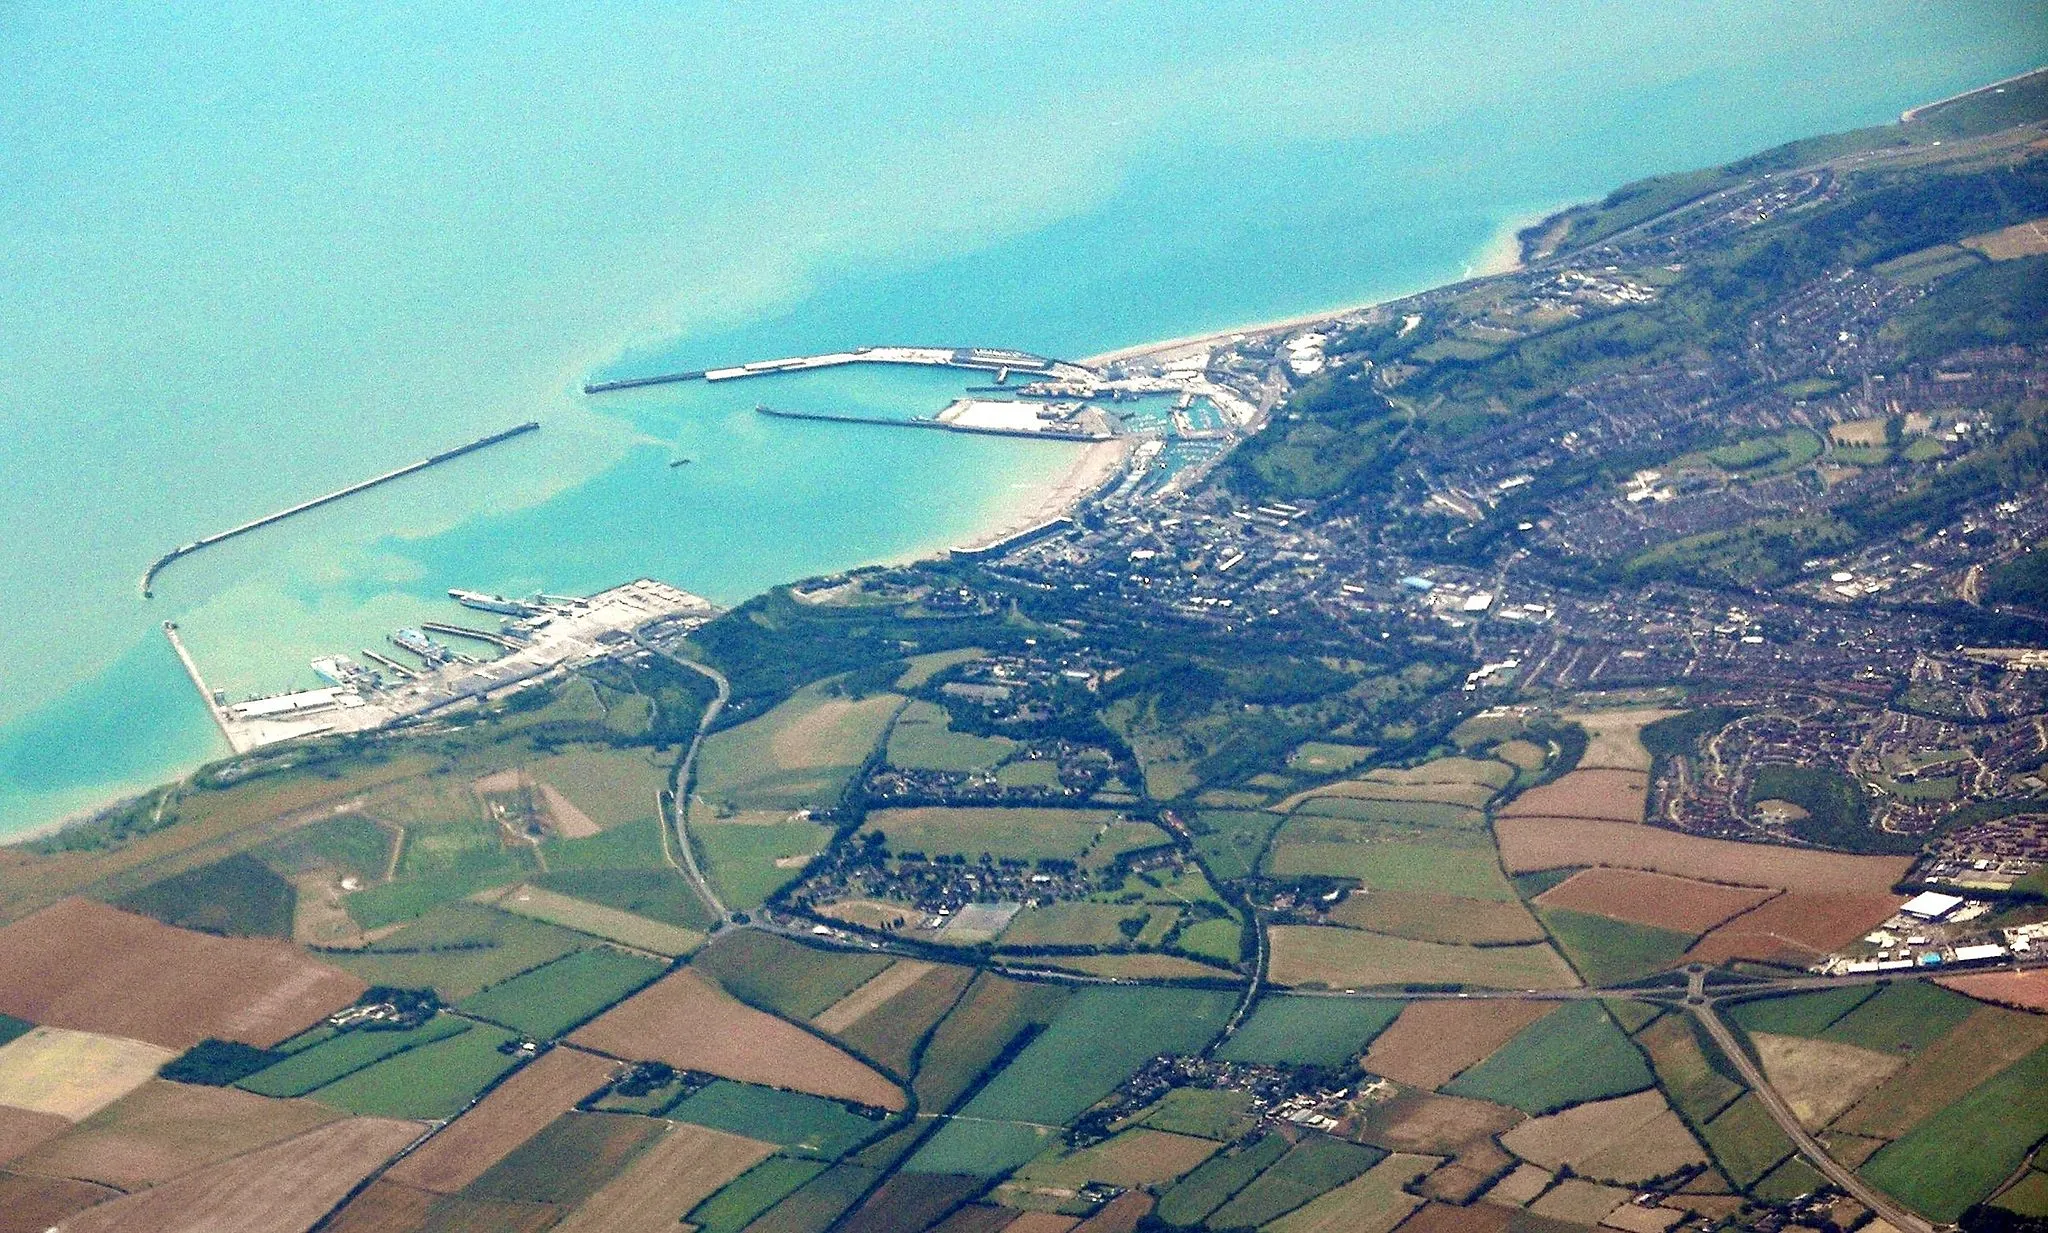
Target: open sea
(256, 251)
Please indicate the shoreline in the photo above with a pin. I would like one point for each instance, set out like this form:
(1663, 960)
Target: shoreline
(1097, 464)
(1501, 254)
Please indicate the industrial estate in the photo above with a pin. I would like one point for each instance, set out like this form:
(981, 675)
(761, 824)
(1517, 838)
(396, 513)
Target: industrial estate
(1564, 751)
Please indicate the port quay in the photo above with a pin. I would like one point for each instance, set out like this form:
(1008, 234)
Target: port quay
(997, 360)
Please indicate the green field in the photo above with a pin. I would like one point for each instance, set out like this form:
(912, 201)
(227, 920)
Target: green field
(988, 1016)
(1222, 1115)
(748, 862)
(1690, 1078)
(1326, 757)
(923, 740)
(332, 1059)
(1745, 1141)
(1313, 1166)
(433, 1081)
(546, 1002)
(414, 895)
(1230, 841)
(1799, 1014)
(1310, 1030)
(1220, 1177)
(1905, 1017)
(1088, 924)
(611, 786)
(1613, 952)
(1965, 1151)
(782, 976)
(1007, 834)
(1463, 870)
(1569, 1057)
(240, 897)
(634, 845)
(799, 754)
(1099, 1038)
(803, 1125)
(458, 949)
(1216, 938)
(1380, 809)
(350, 844)
(12, 1028)
(751, 1193)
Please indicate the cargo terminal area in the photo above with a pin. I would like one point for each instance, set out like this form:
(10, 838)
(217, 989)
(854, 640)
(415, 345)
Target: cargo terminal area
(536, 638)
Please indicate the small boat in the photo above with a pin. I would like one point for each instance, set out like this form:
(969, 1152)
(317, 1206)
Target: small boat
(680, 462)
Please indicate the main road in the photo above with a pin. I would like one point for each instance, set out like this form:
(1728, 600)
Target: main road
(676, 814)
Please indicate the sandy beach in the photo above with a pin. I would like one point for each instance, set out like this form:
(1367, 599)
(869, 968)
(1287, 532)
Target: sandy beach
(1093, 466)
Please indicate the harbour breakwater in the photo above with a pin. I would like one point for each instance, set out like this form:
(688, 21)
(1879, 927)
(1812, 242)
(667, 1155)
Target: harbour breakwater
(998, 360)
(184, 550)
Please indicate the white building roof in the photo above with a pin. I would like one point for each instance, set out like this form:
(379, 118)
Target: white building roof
(1931, 905)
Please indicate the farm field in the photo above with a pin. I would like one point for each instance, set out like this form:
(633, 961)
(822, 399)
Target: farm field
(1419, 1121)
(1096, 1041)
(1322, 1031)
(1820, 1078)
(1310, 1168)
(164, 1129)
(800, 1125)
(91, 968)
(1437, 918)
(1615, 795)
(1989, 1041)
(1454, 770)
(988, 1016)
(1331, 848)
(753, 1192)
(1432, 1041)
(1326, 757)
(1625, 1140)
(1796, 927)
(909, 1201)
(1006, 834)
(786, 977)
(1614, 738)
(680, 1170)
(1373, 1202)
(1574, 1055)
(1745, 1141)
(1530, 844)
(1612, 952)
(568, 1160)
(2026, 990)
(610, 787)
(1144, 965)
(22, 1131)
(1965, 1151)
(1219, 1115)
(1142, 1156)
(31, 1204)
(817, 1203)
(514, 1112)
(1578, 1201)
(1230, 841)
(690, 1024)
(1656, 900)
(1902, 1018)
(430, 1082)
(1360, 807)
(599, 921)
(1699, 1090)
(1348, 958)
(458, 949)
(549, 1000)
(923, 740)
(874, 993)
(1210, 1186)
(749, 862)
(801, 753)
(281, 1188)
(892, 1032)
(1471, 797)
(238, 897)
(1086, 924)
(315, 1067)
(71, 1074)
(1799, 1014)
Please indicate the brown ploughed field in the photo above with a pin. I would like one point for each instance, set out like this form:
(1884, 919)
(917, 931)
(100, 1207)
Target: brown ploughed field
(1796, 927)
(1614, 795)
(283, 1188)
(2026, 990)
(1655, 899)
(163, 1130)
(692, 1025)
(685, 1167)
(83, 965)
(21, 1130)
(1432, 1041)
(1530, 844)
(514, 1112)
(33, 1204)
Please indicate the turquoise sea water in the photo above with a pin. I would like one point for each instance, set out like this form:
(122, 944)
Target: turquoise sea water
(260, 252)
